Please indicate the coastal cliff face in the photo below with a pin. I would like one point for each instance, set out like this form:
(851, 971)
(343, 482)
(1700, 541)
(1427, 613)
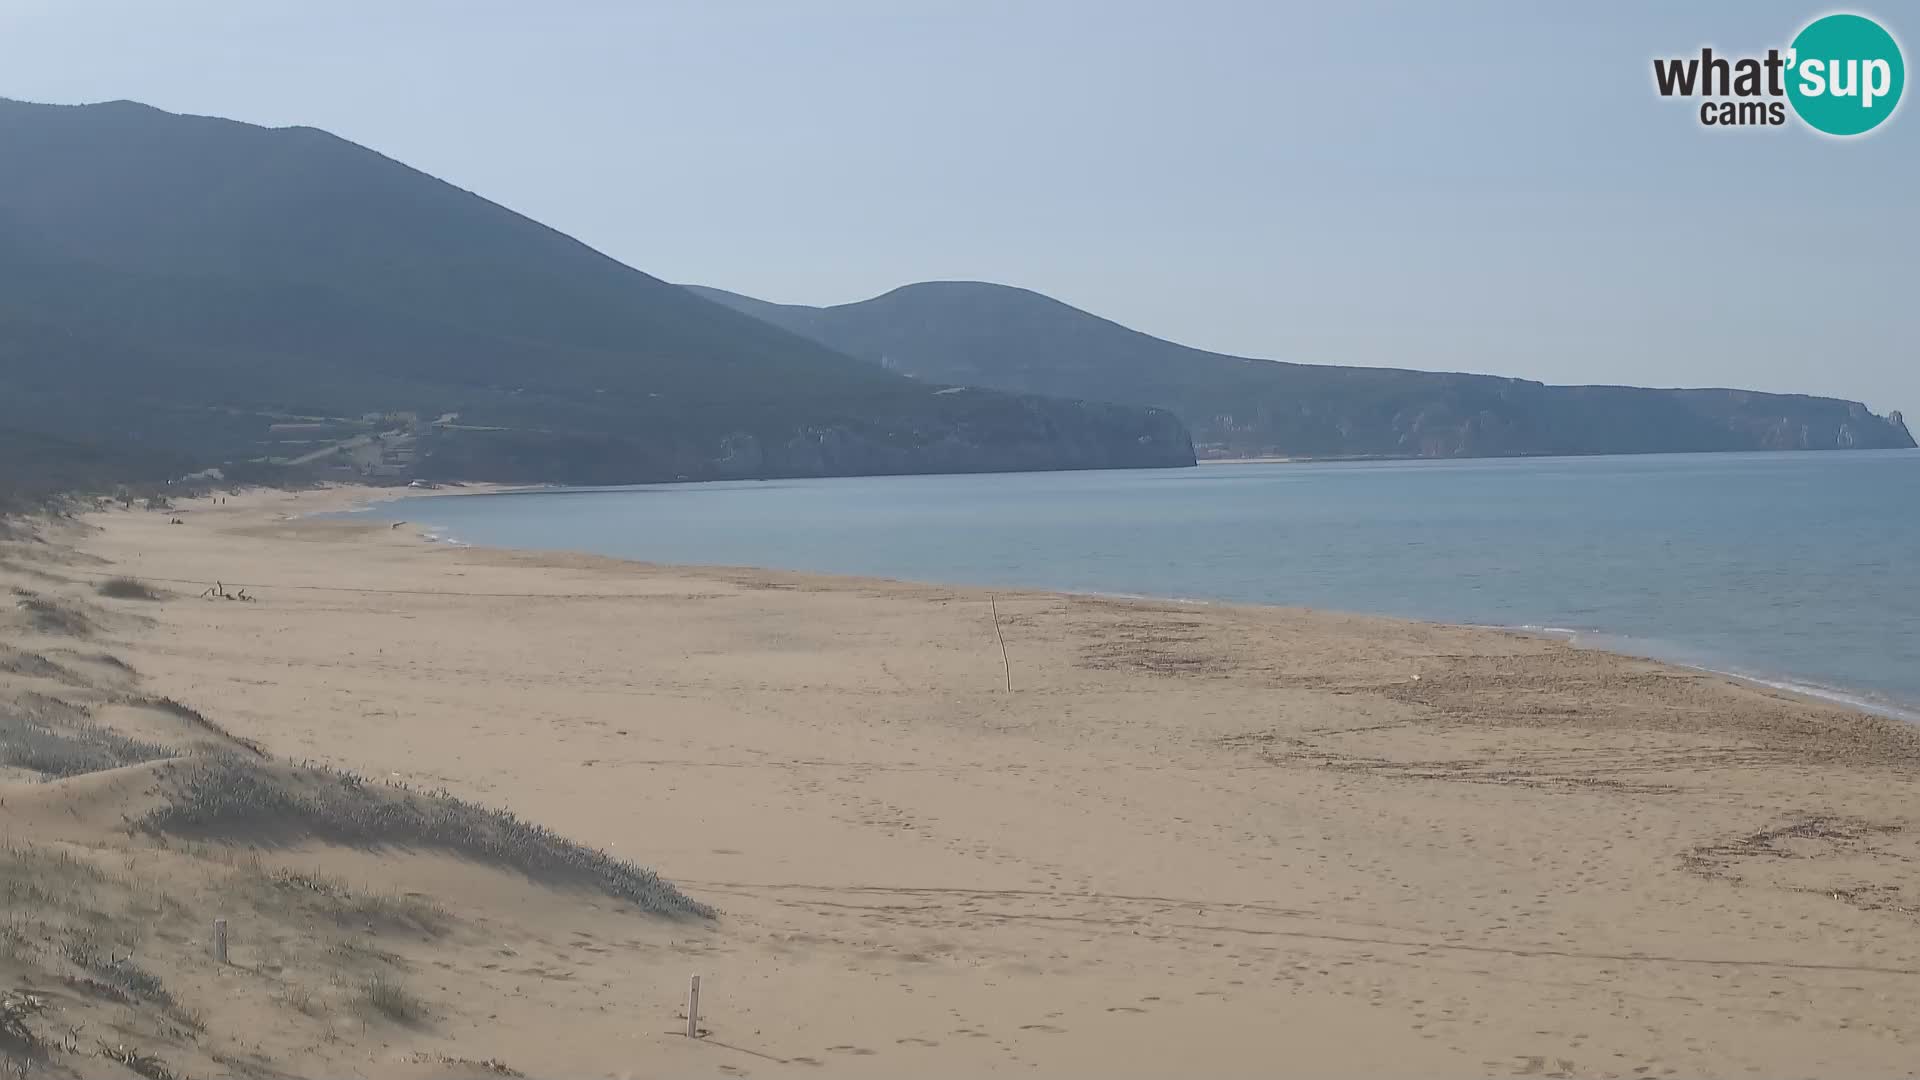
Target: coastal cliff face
(335, 309)
(1016, 340)
(1483, 416)
(1783, 422)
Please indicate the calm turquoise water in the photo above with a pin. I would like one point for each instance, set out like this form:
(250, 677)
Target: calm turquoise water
(1800, 568)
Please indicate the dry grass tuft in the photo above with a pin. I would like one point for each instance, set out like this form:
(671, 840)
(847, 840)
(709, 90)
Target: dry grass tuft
(332, 896)
(301, 999)
(71, 749)
(83, 950)
(388, 998)
(50, 616)
(20, 662)
(74, 923)
(227, 792)
(109, 660)
(194, 719)
(466, 1066)
(14, 942)
(129, 588)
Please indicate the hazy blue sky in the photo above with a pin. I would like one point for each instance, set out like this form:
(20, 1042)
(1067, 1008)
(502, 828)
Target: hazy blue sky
(1486, 187)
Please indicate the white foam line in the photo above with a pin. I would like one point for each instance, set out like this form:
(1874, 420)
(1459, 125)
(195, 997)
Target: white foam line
(1124, 596)
(1814, 690)
(1622, 644)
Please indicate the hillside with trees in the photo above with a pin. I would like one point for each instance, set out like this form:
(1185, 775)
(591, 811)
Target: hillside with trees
(217, 291)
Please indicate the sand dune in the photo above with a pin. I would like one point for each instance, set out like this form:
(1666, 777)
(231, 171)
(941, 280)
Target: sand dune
(1191, 839)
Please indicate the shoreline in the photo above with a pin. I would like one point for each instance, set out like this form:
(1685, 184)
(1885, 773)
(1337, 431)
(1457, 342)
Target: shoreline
(1358, 844)
(349, 499)
(1863, 699)
(1866, 701)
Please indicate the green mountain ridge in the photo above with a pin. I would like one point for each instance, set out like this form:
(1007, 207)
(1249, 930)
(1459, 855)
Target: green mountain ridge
(1021, 341)
(203, 287)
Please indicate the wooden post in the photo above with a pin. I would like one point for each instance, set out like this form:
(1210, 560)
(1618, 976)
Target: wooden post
(1005, 664)
(693, 1008)
(220, 940)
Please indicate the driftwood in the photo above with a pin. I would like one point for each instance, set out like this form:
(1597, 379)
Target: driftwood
(145, 1064)
(15, 1007)
(218, 591)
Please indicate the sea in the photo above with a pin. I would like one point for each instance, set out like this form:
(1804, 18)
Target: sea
(1801, 570)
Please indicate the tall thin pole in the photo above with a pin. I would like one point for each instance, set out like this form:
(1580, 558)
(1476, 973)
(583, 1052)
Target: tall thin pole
(1005, 664)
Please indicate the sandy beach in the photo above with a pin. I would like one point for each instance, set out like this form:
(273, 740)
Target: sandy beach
(1190, 839)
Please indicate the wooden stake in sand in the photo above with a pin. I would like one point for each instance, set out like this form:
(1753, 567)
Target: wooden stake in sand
(693, 1008)
(1005, 664)
(220, 940)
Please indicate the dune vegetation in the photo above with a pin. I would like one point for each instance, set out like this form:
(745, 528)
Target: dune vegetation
(130, 820)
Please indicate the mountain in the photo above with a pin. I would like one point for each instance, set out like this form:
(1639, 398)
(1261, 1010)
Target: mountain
(1019, 341)
(196, 286)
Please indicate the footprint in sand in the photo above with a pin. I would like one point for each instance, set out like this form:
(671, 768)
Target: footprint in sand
(1048, 1028)
(857, 1051)
(912, 1040)
(1125, 1009)
(803, 1061)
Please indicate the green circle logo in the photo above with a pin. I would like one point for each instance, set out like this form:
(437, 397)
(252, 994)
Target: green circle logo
(1846, 74)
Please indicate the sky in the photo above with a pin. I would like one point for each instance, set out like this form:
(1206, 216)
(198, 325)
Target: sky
(1475, 186)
